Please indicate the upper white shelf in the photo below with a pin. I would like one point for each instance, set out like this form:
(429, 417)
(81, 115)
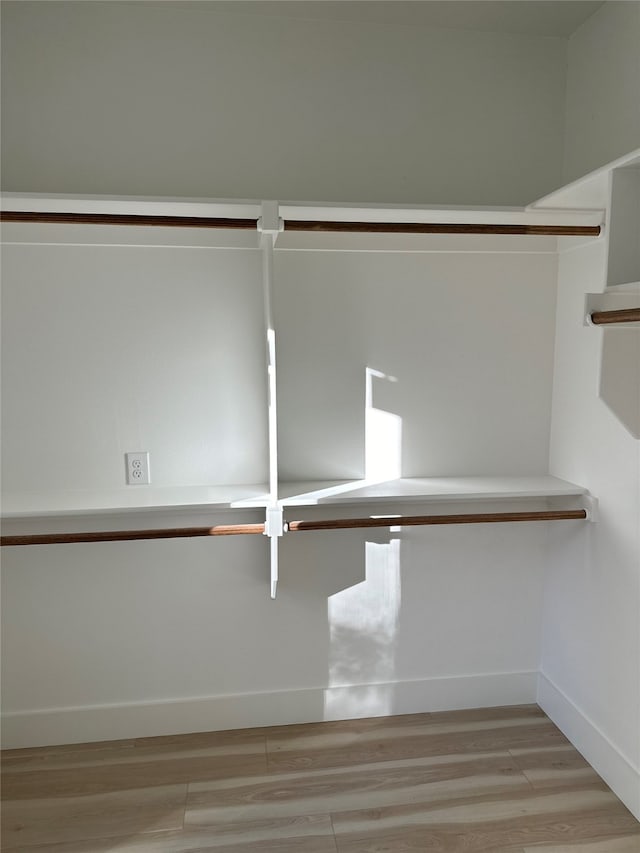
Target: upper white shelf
(421, 489)
(155, 206)
(69, 233)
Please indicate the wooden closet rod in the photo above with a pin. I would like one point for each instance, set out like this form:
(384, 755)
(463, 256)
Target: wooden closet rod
(622, 315)
(129, 535)
(440, 228)
(128, 219)
(300, 224)
(416, 520)
(293, 526)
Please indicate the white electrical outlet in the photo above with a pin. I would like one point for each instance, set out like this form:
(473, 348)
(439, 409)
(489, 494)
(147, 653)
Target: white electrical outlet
(138, 469)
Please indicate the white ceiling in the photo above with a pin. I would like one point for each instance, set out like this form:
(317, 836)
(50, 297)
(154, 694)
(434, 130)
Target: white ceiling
(531, 17)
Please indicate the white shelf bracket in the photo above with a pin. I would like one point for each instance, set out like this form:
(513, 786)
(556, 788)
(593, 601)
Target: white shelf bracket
(270, 223)
(274, 523)
(274, 529)
(591, 506)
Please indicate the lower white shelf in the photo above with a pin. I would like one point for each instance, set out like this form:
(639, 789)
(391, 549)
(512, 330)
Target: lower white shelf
(201, 499)
(110, 519)
(426, 489)
(133, 499)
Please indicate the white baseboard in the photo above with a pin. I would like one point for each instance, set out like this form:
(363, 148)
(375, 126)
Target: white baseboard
(49, 726)
(606, 759)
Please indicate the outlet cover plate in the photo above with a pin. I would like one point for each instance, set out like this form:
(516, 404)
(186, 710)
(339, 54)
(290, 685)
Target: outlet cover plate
(138, 473)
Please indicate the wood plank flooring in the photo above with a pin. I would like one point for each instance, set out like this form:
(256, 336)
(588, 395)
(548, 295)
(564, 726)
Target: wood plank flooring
(498, 779)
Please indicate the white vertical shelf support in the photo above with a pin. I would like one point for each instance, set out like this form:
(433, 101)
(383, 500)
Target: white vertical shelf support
(269, 226)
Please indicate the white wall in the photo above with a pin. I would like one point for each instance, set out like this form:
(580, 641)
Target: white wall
(119, 348)
(177, 99)
(134, 639)
(470, 372)
(590, 663)
(603, 89)
(110, 349)
(122, 639)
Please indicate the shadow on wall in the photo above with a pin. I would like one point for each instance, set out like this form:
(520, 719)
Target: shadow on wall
(620, 376)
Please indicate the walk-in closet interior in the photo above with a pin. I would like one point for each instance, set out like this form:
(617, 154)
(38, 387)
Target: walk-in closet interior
(357, 284)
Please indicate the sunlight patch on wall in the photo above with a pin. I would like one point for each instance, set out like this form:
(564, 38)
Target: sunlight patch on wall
(383, 434)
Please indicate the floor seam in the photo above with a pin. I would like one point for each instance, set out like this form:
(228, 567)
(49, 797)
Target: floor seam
(333, 830)
(521, 771)
(184, 805)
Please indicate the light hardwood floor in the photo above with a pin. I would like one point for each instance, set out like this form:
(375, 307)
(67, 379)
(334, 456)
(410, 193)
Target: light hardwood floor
(499, 779)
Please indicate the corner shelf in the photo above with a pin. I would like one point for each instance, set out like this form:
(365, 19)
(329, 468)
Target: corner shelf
(614, 298)
(590, 192)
